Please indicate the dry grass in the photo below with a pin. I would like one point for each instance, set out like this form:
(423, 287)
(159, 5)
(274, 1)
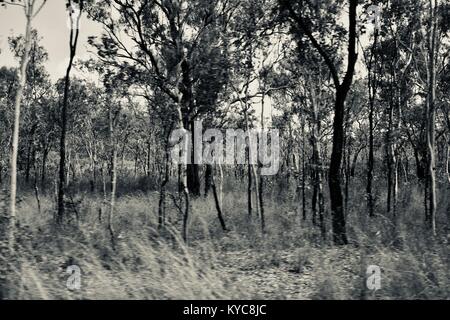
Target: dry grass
(289, 262)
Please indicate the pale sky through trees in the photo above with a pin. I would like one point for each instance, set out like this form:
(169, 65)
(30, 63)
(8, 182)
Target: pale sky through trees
(51, 24)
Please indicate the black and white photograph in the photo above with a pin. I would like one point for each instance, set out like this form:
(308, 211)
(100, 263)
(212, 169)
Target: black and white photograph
(224, 154)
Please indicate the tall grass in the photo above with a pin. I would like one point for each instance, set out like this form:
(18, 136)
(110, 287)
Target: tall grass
(216, 265)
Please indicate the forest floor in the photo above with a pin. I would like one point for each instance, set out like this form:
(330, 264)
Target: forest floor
(290, 275)
(269, 282)
(279, 280)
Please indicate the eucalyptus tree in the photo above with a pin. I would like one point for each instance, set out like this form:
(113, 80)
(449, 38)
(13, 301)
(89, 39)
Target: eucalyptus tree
(75, 9)
(8, 81)
(372, 64)
(317, 23)
(433, 40)
(37, 88)
(418, 39)
(31, 9)
(172, 45)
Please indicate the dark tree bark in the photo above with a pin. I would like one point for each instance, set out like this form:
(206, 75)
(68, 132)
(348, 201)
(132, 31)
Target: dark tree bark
(337, 205)
(217, 200)
(44, 166)
(208, 173)
(193, 179)
(342, 89)
(165, 181)
(62, 144)
(373, 86)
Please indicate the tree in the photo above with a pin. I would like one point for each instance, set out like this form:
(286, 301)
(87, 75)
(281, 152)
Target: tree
(163, 55)
(371, 62)
(75, 17)
(433, 49)
(31, 9)
(301, 26)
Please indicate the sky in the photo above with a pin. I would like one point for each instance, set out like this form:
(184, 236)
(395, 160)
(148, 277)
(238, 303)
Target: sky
(52, 25)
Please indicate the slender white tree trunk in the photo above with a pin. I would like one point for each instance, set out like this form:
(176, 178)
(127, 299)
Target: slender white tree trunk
(15, 141)
(431, 132)
(113, 178)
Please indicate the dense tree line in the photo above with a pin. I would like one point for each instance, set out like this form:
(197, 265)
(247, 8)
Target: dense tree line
(358, 99)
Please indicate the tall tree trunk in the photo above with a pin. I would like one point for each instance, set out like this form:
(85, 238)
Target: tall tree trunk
(346, 165)
(342, 89)
(303, 170)
(251, 169)
(390, 156)
(8, 254)
(44, 166)
(431, 112)
(373, 86)
(318, 198)
(261, 177)
(62, 144)
(15, 135)
(113, 153)
(337, 205)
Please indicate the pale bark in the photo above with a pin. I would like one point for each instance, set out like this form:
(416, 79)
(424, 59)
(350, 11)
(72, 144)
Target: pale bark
(29, 9)
(431, 112)
(113, 151)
